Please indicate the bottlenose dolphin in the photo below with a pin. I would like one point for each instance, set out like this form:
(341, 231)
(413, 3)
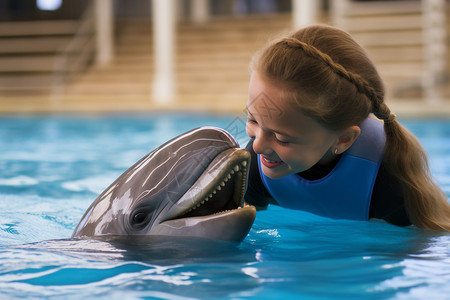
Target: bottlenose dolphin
(193, 185)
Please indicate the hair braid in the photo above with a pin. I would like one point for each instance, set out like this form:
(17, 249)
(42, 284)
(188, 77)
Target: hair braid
(380, 109)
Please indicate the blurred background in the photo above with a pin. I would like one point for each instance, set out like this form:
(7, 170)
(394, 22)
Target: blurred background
(142, 55)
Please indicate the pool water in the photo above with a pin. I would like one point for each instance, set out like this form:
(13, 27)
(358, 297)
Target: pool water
(53, 167)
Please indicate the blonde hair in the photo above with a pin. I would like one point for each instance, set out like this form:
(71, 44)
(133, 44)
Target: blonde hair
(331, 78)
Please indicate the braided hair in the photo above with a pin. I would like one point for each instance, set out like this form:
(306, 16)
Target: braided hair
(329, 76)
(380, 109)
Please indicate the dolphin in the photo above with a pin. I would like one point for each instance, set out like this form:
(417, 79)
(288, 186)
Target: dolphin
(191, 186)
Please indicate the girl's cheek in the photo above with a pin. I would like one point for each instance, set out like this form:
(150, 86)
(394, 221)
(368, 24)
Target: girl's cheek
(250, 132)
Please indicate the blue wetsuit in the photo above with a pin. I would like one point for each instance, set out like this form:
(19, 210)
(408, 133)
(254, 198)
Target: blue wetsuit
(346, 191)
(354, 188)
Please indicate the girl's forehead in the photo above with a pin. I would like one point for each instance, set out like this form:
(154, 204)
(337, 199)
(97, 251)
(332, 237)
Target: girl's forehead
(268, 103)
(287, 121)
(264, 95)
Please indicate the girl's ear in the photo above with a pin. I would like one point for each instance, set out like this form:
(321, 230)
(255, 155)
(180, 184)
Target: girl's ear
(346, 138)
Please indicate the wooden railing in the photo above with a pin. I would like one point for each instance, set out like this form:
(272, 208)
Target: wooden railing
(76, 56)
(27, 52)
(406, 39)
(40, 57)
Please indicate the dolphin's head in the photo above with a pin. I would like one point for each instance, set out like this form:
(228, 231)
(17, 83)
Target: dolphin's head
(193, 185)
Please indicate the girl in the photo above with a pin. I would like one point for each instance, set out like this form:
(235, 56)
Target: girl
(323, 139)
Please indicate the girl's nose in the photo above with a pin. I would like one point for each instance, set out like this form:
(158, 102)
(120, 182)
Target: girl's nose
(260, 145)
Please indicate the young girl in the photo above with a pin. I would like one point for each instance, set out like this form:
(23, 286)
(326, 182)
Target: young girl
(323, 140)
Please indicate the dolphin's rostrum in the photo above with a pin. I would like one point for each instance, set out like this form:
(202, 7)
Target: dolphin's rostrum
(193, 185)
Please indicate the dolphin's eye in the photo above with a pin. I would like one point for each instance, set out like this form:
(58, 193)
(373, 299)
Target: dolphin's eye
(140, 219)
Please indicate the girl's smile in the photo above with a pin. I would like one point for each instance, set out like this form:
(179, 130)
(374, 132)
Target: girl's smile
(289, 142)
(269, 163)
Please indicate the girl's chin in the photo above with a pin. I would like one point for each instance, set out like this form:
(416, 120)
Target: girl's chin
(281, 171)
(274, 174)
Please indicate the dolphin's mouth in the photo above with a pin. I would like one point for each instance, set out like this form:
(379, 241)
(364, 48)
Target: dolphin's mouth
(219, 190)
(213, 206)
(227, 195)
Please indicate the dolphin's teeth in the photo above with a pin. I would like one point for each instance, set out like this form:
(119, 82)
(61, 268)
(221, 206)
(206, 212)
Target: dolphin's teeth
(241, 172)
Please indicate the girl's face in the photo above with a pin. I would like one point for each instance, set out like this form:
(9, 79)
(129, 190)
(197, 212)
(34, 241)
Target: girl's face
(287, 140)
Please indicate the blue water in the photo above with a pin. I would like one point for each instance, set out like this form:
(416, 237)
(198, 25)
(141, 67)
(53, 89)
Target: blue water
(53, 167)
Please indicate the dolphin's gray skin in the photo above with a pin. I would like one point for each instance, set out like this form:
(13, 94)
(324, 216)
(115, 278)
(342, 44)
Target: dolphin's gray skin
(193, 185)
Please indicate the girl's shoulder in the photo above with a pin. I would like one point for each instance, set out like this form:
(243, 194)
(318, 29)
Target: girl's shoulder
(388, 199)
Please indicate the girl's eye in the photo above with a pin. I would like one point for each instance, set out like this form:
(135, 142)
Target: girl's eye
(252, 121)
(282, 142)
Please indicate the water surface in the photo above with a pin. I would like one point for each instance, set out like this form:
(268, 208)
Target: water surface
(53, 167)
